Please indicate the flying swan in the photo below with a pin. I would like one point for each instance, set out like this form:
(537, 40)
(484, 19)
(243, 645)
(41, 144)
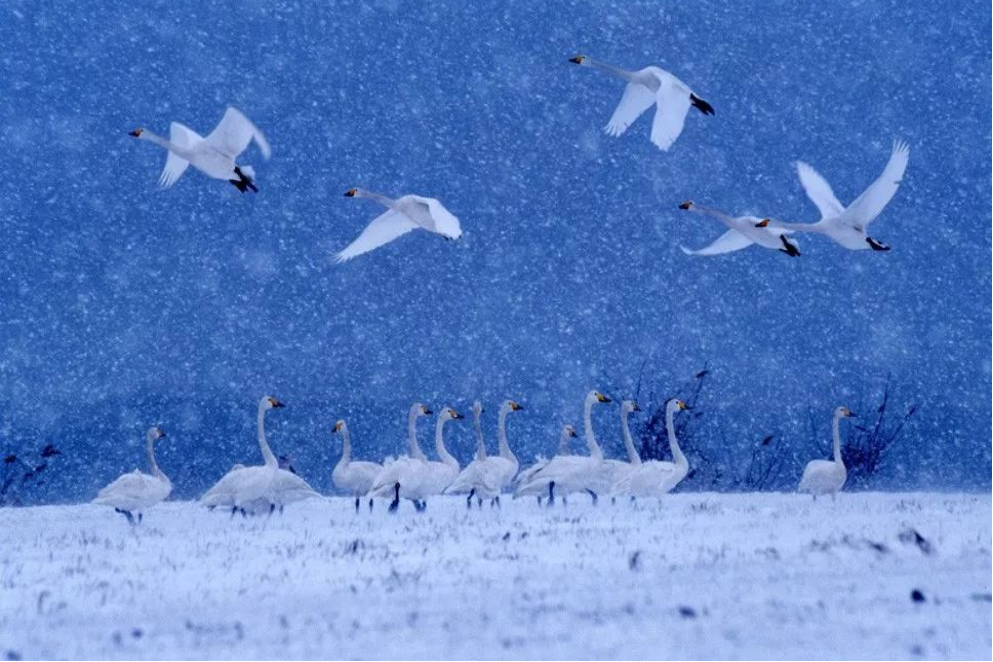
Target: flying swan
(404, 214)
(136, 491)
(743, 231)
(651, 85)
(849, 226)
(215, 155)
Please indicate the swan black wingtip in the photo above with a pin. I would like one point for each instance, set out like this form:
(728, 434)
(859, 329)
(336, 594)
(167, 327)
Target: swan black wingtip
(701, 105)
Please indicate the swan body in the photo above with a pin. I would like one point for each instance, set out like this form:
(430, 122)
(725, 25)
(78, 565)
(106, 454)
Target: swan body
(355, 478)
(827, 476)
(743, 231)
(849, 226)
(615, 470)
(257, 489)
(215, 155)
(567, 474)
(568, 433)
(655, 478)
(136, 491)
(646, 87)
(403, 215)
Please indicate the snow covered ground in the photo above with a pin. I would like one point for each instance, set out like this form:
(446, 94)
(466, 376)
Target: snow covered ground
(695, 576)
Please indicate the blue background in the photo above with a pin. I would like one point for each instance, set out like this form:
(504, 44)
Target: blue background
(123, 305)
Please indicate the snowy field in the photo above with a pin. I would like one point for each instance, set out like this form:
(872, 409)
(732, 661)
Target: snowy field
(695, 576)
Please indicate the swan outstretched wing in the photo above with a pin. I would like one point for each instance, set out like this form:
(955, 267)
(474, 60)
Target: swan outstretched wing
(872, 201)
(672, 104)
(383, 229)
(441, 220)
(636, 100)
(819, 191)
(233, 134)
(730, 241)
(175, 165)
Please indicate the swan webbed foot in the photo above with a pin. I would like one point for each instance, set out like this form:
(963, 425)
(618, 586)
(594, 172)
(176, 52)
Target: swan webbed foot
(243, 183)
(790, 249)
(875, 245)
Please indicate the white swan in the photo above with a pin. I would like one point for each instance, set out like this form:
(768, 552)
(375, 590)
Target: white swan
(405, 470)
(613, 471)
(743, 231)
(486, 477)
(404, 214)
(568, 432)
(849, 226)
(672, 99)
(258, 489)
(827, 476)
(567, 474)
(215, 155)
(137, 491)
(655, 478)
(355, 478)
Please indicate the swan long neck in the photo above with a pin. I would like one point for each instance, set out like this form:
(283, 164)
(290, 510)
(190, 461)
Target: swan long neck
(439, 442)
(150, 443)
(677, 453)
(714, 213)
(633, 456)
(415, 448)
(505, 451)
(164, 143)
(480, 441)
(836, 432)
(270, 459)
(378, 197)
(346, 443)
(611, 69)
(588, 425)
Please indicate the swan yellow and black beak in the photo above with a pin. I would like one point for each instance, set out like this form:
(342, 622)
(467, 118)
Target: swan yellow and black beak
(136, 133)
(515, 406)
(338, 426)
(572, 432)
(426, 411)
(635, 407)
(763, 223)
(602, 398)
(686, 205)
(276, 403)
(350, 193)
(682, 405)
(455, 414)
(577, 59)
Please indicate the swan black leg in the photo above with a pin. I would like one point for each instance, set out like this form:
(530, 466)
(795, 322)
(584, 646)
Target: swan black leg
(396, 498)
(790, 249)
(479, 502)
(496, 500)
(127, 515)
(551, 494)
(468, 501)
(593, 496)
(357, 501)
(234, 511)
(370, 504)
(539, 499)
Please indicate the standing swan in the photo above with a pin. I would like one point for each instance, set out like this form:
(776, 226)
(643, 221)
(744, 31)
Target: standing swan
(214, 155)
(655, 478)
(827, 476)
(573, 473)
(136, 491)
(478, 478)
(651, 85)
(568, 433)
(406, 213)
(356, 478)
(743, 231)
(849, 226)
(398, 478)
(615, 470)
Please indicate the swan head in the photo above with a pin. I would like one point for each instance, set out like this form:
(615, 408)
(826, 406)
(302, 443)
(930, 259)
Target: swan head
(597, 396)
(764, 223)
(417, 410)
(339, 426)
(580, 60)
(477, 408)
(449, 414)
(351, 193)
(136, 133)
(686, 205)
(678, 405)
(269, 402)
(569, 431)
(155, 433)
(630, 405)
(844, 412)
(511, 405)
